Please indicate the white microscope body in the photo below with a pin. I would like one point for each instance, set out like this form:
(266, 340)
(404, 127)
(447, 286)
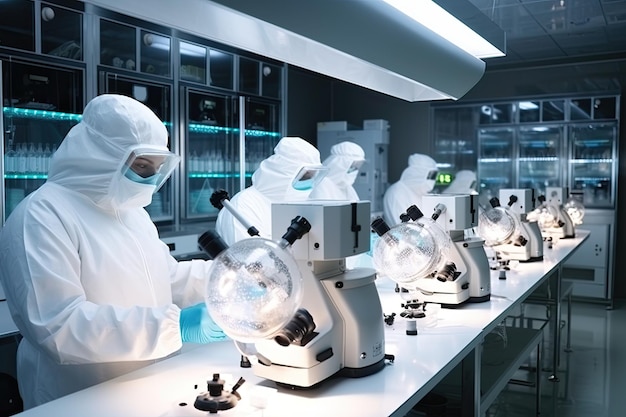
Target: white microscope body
(562, 227)
(521, 201)
(348, 338)
(473, 283)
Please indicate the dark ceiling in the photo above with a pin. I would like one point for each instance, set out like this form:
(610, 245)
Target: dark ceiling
(553, 31)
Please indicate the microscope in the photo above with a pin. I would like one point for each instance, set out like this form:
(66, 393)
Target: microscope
(552, 216)
(521, 201)
(290, 304)
(456, 214)
(508, 231)
(430, 257)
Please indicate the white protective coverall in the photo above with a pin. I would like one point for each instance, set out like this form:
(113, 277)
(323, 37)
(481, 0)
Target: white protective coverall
(417, 179)
(343, 165)
(463, 183)
(92, 289)
(271, 182)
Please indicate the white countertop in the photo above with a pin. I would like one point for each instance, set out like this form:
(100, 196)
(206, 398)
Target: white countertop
(420, 363)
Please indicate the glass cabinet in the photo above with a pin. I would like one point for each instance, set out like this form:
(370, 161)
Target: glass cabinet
(539, 160)
(221, 106)
(556, 142)
(218, 154)
(40, 104)
(210, 142)
(593, 163)
(496, 154)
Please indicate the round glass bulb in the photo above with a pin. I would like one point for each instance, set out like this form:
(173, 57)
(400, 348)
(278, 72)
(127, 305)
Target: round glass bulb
(254, 288)
(497, 226)
(407, 252)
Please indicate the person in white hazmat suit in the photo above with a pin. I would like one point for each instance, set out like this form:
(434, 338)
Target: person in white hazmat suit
(417, 180)
(287, 175)
(343, 163)
(91, 288)
(464, 182)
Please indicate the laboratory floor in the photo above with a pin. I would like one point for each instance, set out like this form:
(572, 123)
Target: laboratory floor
(593, 374)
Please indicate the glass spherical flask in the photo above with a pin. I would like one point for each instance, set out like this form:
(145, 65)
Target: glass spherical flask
(497, 226)
(408, 252)
(576, 210)
(253, 289)
(548, 217)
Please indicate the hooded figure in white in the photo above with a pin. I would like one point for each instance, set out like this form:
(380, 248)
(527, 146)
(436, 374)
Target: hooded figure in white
(279, 178)
(463, 183)
(343, 165)
(417, 180)
(92, 289)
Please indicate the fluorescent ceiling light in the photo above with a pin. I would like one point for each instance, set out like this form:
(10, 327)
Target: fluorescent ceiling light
(435, 18)
(527, 105)
(368, 43)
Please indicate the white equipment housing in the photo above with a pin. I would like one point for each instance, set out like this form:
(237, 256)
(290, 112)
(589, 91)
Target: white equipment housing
(344, 304)
(473, 284)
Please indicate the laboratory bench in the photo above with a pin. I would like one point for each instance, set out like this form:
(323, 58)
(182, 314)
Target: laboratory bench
(454, 341)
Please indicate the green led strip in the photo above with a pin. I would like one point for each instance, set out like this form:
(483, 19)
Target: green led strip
(217, 175)
(201, 128)
(25, 176)
(40, 114)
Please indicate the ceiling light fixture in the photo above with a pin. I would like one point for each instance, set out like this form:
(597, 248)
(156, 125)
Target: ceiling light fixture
(436, 18)
(367, 43)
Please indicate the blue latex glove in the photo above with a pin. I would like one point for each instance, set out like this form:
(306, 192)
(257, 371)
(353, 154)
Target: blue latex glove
(197, 326)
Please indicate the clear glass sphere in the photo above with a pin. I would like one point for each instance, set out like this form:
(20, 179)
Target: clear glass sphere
(254, 288)
(407, 252)
(575, 210)
(548, 217)
(497, 226)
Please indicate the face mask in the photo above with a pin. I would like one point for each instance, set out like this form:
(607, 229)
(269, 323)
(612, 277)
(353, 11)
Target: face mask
(133, 176)
(304, 185)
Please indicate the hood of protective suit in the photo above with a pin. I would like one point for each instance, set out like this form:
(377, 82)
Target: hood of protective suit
(464, 183)
(90, 158)
(274, 176)
(341, 157)
(415, 176)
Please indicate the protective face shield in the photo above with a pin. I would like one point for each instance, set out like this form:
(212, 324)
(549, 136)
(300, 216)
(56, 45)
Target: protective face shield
(308, 177)
(432, 175)
(355, 166)
(150, 166)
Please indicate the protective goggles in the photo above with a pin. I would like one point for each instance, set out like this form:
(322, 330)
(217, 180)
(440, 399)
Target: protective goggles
(150, 166)
(432, 175)
(355, 166)
(308, 177)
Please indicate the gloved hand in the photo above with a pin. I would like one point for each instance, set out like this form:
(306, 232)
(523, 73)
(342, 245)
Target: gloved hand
(197, 326)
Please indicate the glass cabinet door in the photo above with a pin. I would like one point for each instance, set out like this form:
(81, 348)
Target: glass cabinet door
(40, 104)
(495, 161)
(592, 163)
(539, 162)
(157, 97)
(209, 151)
(261, 135)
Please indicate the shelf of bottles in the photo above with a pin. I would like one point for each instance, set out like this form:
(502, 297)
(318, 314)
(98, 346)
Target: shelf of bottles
(210, 167)
(539, 164)
(211, 163)
(27, 160)
(30, 161)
